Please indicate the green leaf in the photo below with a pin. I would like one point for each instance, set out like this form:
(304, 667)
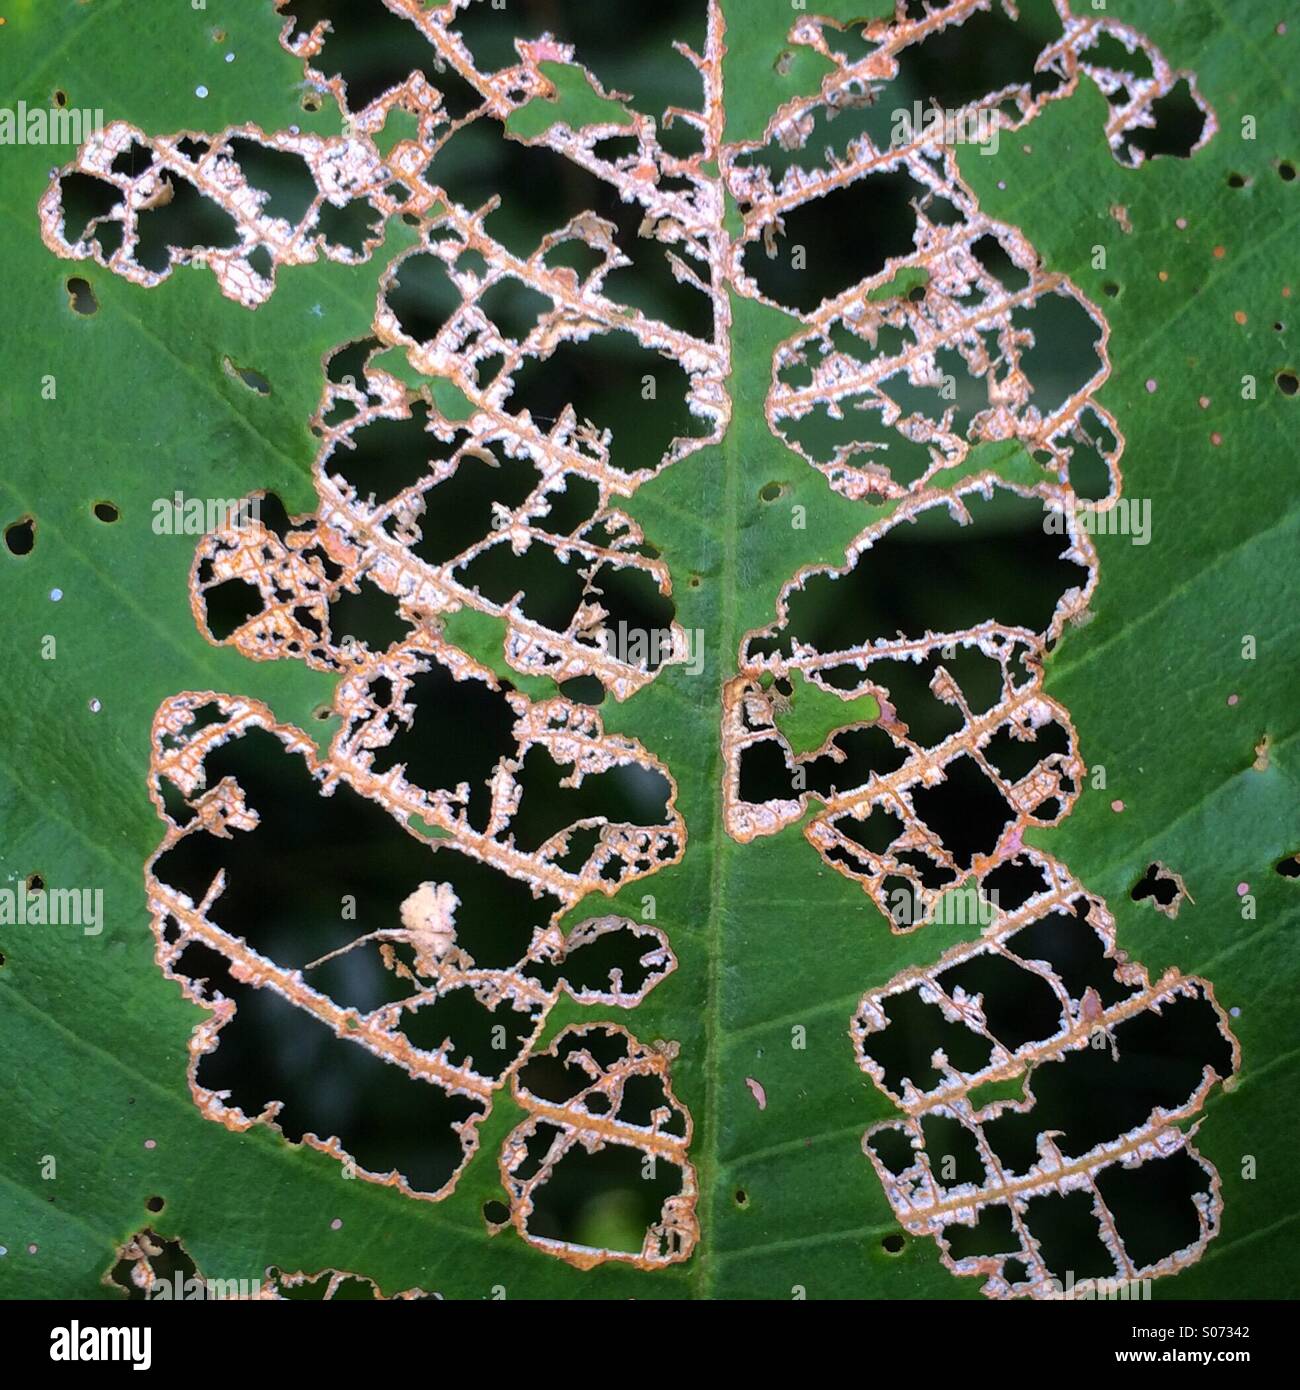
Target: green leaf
(575, 103)
(1177, 681)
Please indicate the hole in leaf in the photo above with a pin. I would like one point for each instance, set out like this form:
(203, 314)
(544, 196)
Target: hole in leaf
(1163, 888)
(82, 296)
(147, 1258)
(1179, 124)
(20, 535)
(254, 380)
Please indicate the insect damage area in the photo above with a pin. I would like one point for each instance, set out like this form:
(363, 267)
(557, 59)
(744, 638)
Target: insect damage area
(448, 480)
(431, 1017)
(945, 336)
(153, 1267)
(1089, 1171)
(462, 470)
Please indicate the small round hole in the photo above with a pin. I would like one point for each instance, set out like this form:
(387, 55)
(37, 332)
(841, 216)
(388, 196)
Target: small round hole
(893, 1244)
(496, 1213)
(20, 535)
(1110, 288)
(694, 581)
(322, 712)
(59, 97)
(154, 1203)
(311, 101)
(106, 512)
(1237, 181)
(1286, 170)
(769, 492)
(35, 883)
(1287, 383)
(82, 297)
(742, 1197)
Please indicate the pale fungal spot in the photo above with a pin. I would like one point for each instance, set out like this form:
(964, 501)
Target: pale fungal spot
(757, 1091)
(32, 1249)
(336, 1224)
(429, 914)
(1117, 805)
(1180, 223)
(151, 1143)
(1216, 439)
(1151, 385)
(1232, 699)
(200, 91)
(55, 595)
(1242, 889)
(1204, 402)
(230, 57)
(1235, 1011)
(95, 705)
